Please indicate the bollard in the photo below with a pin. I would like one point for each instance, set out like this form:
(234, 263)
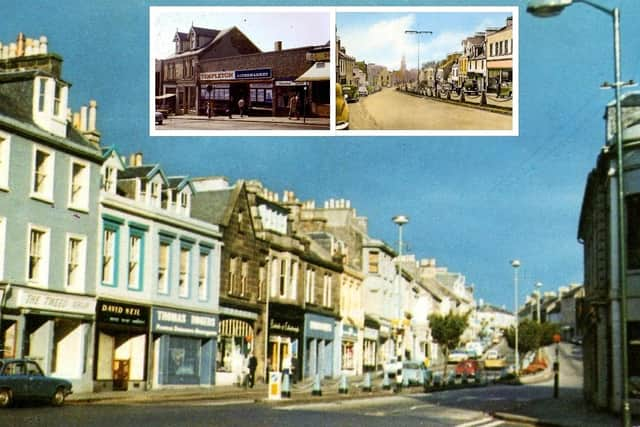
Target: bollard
(464, 378)
(366, 386)
(386, 385)
(462, 99)
(286, 386)
(452, 378)
(405, 381)
(343, 388)
(437, 380)
(316, 386)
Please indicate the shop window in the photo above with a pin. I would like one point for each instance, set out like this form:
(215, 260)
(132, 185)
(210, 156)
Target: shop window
(183, 281)
(76, 254)
(203, 276)
(42, 179)
(348, 359)
(38, 270)
(184, 360)
(164, 255)
(4, 161)
(633, 342)
(79, 186)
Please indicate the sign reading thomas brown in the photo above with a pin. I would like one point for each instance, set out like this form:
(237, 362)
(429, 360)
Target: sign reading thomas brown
(117, 313)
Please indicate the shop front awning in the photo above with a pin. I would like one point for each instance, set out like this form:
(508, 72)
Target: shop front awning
(166, 96)
(319, 71)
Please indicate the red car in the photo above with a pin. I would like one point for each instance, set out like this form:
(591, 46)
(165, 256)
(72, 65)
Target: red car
(468, 368)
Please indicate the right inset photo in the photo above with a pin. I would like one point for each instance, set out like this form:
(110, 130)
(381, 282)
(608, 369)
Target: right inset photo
(428, 71)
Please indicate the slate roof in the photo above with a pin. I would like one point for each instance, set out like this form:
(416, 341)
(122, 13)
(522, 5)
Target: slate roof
(207, 32)
(183, 37)
(136, 171)
(215, 206)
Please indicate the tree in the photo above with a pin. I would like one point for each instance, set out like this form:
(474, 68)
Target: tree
(447, 330)
(529, 336)
(547, 333)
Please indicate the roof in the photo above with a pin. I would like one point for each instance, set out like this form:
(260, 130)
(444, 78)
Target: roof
(137, 172)
(207, 32)
(215, 206)
(319, 71)
(181, 36)
(219, 35)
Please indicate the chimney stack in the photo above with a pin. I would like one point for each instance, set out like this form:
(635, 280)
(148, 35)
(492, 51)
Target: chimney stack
(277, 46)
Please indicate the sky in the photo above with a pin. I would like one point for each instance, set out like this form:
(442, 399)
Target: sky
(380, 37)
(474, 203)
(294, 28)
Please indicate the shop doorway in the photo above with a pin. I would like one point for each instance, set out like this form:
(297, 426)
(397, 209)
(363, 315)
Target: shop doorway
(121, 374)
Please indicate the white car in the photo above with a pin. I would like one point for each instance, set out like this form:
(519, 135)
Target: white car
(457, 356)
(362, 91)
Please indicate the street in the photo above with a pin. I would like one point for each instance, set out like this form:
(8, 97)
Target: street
(237, 123)
(392, 110)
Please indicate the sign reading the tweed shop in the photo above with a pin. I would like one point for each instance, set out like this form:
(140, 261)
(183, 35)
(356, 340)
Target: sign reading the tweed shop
(40, 300)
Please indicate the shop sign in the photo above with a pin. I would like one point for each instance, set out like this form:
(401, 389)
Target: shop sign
(39, 300)
(318, 56)
(289, 83)
(319, 326)
(122, 314)
(217, 75)
(385, 330)
(349, 331)
(260, 73)
(184, 323)
(285, 326)
(370, 334)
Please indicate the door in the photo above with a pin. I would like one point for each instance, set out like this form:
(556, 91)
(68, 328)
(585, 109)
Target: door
(120, 374)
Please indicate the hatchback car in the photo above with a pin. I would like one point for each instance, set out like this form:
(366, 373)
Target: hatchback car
(468, 368)
(23, 379)
(414, 372)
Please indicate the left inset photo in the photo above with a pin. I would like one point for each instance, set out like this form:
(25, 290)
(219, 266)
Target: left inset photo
(239, 70)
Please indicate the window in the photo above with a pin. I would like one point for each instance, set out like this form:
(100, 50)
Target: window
(203, 276)
(42, 95)
(262, 276)
(42, 174)
(283, 276)
(326, 291)
(3, 236)
(310, 283)
(75, 261)
(57, 100)
(135, 254)
(155, 191)
(38, 269)
(374, 259)
(293, 280)
(4, 162)
(79, 183)
(110, 235)
(109, 179)
(233, 273)
(184, 200)
(633, 231)
(244, 277)
(183, 281)
(164, 252)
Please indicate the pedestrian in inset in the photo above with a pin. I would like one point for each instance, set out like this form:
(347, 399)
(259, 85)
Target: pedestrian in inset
(253, 364)
(293, 106)
(230, 107)
(498, 92)
(241, 106)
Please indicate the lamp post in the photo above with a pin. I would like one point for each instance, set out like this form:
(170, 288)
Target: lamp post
(516, 264)
(548, 8)
(538, 286)
(418, 33)
(399, 220)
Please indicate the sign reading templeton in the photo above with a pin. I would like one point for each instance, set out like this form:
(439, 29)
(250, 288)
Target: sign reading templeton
(169, 321)
(259, 73)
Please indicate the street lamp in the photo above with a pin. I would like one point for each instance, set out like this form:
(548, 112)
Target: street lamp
(547, 8)
(516, 264)
(399, 220)
(538, 286)
(418, 33)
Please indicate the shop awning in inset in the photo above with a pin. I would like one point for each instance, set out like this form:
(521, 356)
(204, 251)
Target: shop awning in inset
(319, 71)
(166, 96)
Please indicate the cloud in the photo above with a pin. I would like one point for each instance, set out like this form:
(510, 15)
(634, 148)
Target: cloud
(383, 43)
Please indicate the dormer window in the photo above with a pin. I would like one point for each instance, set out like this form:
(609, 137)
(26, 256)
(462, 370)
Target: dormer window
(57, 100)
(50, 105)
(42, 95)
(109, 182)
(184, 200)
(178, 44)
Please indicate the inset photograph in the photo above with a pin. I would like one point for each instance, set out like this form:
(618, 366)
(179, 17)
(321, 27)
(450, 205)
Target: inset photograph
(240, 69)
(427, 70)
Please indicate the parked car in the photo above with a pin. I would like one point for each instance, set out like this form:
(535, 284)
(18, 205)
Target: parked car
(363, 91)
(494, 360)
(468, 368)
(342, 109)
(159, 117)
(393, 367)
(351, 93)
(23, 379)
(457, 355)
(414, 371)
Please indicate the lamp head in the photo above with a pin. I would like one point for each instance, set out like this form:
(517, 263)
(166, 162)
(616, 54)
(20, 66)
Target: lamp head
(515, 263)
(547, 8)
(400, 219)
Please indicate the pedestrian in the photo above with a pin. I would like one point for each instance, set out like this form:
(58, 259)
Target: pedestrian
(498, 90)
(241, 106)
(230, 107)
(293, 106)
(253, 364)
(245, 371)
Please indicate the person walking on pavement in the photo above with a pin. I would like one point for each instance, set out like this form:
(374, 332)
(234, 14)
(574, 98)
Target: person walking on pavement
(253, 364)
(241, 106)
(230, 106)
(293, 107)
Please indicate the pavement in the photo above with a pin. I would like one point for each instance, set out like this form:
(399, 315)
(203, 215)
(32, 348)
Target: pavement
(568, 410)
(301, 123)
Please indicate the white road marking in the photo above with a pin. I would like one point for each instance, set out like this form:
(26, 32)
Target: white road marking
(475, 422)
(222, 402)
